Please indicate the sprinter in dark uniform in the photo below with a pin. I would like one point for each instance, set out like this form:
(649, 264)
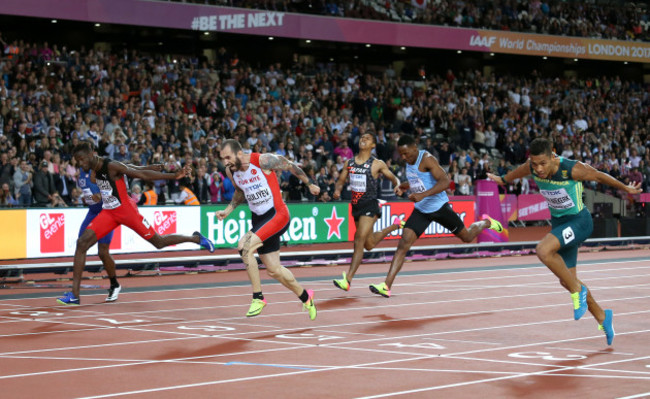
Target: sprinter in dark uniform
(364, 170)
(119, 209)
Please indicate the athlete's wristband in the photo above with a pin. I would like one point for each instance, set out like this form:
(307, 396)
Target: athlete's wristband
(503, 179)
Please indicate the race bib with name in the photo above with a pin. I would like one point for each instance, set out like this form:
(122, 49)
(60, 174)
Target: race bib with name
(358, 182)
(558, 199)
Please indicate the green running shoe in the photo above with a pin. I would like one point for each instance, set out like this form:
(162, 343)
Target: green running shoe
(494, 224)
(256, 307)
(342, 283)
(380, 289)
(310, 306)
(399, 223)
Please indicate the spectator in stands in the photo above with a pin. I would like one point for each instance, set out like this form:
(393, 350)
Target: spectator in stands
(92, 134)
(6, 197)
(463, 183)
(186, 196)
(44, 187)
(149, 195)
(136, 193)
(228, 189)
(122, 155)
(6, 168)
(216, 187)
(23, 184)
(451, 102)
(63, 184)
(76, 198)
(200, 185)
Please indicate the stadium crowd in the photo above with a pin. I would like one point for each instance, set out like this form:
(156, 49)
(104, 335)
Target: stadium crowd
(622, 20)
(142, 109)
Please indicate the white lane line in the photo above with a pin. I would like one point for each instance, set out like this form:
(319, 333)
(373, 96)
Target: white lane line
(237, 284)
(605, 352)
(466, 383)
(157, 313)
(275, 376)
(463, 341)
(195, 322)
(641, 395)
(364, 323)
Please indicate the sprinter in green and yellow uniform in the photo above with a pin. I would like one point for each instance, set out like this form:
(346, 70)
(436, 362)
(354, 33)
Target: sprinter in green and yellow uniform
(560, 182)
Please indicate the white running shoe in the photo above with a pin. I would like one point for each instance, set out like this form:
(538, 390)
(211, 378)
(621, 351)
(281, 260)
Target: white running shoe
(113, 293)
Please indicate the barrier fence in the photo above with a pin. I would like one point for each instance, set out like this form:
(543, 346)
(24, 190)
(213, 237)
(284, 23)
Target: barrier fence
(52, 232)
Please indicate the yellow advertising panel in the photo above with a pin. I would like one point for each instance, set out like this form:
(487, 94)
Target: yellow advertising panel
(13, 234)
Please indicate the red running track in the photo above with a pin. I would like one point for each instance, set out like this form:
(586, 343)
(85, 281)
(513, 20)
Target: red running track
(496, 327)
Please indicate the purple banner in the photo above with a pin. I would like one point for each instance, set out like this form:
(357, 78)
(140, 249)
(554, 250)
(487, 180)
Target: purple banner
(487, 202)
(532, 207)
(269, 23)
(509, 207)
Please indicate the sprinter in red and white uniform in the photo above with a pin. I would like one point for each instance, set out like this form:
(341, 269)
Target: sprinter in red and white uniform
(118, 208)
(255, 182)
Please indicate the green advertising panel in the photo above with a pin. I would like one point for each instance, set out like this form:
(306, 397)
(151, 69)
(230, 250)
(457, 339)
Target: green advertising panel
(310, 223)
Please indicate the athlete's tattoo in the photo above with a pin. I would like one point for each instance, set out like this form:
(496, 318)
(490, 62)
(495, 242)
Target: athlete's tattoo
(246, 244)
(298, 172)
(237, 198)
(278, 162)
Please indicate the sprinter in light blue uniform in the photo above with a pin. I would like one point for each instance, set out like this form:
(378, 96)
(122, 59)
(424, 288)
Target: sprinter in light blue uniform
(560, 182)
(427, 182)
(92, 197)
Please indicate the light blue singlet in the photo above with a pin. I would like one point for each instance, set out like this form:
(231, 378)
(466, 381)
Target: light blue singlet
(423, 181)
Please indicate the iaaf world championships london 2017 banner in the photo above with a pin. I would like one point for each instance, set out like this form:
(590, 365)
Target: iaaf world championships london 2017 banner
(264, 23)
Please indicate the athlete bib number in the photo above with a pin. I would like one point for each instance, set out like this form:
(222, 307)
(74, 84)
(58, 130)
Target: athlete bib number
(416, 185)
(558, 199)
(358, 183)
(88, 197)
(110, 202)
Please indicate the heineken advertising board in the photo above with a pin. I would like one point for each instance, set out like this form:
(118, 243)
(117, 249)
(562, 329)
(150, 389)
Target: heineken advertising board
(310, 223)
(319, 222)
(402, 210)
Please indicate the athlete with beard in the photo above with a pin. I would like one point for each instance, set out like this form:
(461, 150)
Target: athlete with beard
(256, 182)
(364, 170)
(560, 182)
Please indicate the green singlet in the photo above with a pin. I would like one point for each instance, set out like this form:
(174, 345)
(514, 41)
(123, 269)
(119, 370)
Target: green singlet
(562, 193)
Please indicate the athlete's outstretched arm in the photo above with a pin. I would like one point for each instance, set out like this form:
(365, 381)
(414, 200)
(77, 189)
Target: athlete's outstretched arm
(146, 174)
(158, 167)
(584, 172)
(278, 162)
(519, 172)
